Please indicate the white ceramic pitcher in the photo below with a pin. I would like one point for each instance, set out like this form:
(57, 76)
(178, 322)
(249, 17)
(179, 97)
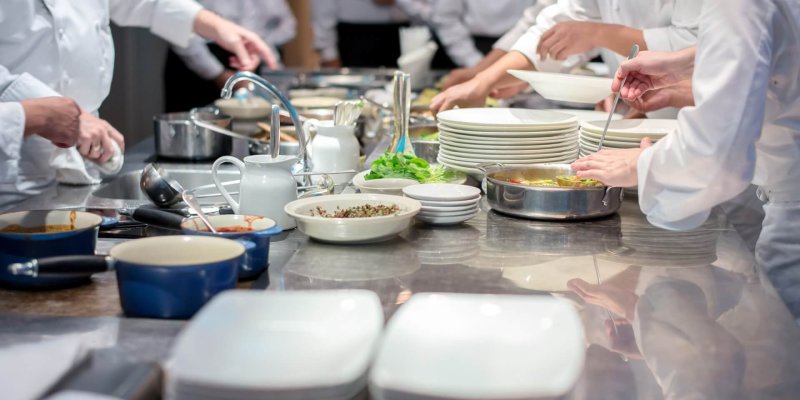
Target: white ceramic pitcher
(334, 149)
(266, 186)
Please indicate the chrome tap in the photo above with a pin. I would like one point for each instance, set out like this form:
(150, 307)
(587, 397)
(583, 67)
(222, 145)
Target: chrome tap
(227, 93)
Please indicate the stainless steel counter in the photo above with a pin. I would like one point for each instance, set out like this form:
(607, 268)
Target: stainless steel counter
(694, 317)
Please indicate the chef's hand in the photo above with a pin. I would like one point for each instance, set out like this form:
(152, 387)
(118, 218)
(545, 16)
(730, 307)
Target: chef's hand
(247, 47)
(56, 119)
(623, 108)
(568, 38)
(471, 93)
(96, 138)
(618, 300)
(612, 167)
(653, 70)
(678, 96)
(458, 75)
(508, 91)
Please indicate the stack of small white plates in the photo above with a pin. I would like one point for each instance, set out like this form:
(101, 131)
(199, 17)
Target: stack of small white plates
(472, 136)
(467, 346)
(445, 203)
(277, 345)
(623, 134)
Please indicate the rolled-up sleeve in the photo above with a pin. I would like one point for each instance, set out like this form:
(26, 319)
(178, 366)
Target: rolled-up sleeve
(20, 87)
(324, 15)
(447, 19)
(563, 10)
(172, 20)
(506, 42)
(12, 130)
(681, 33)
(712, 156)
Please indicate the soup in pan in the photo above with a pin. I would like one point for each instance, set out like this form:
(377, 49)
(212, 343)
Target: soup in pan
(37, 229)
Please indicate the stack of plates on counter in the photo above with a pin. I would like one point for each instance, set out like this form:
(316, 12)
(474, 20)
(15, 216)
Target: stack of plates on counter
(277, 345)
(445, 203)
(623, 134)
(472, 136)
(467, 346)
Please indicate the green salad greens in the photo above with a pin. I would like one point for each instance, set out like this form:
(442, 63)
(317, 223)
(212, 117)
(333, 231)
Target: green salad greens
(396, 165)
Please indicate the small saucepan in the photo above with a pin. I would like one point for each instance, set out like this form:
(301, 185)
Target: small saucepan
(26, 235)
(253, 231)
(158, 277)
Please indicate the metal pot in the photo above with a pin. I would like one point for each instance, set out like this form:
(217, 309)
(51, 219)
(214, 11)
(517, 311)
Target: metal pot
(547, 203)
(177, 137)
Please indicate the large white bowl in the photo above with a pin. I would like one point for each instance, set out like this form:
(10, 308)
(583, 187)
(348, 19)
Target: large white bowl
(566, 87)
(352, 230)
(392, 186)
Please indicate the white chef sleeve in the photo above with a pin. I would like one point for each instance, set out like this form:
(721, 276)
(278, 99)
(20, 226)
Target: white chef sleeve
(172, 20)
(711, 158)
(447, 19)
(21, 87)
(528, 20)
(681, 33)
(324, 15)
(12, 130)
(198, 58)
(563, 10)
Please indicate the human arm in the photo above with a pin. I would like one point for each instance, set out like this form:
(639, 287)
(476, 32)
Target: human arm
(447, 19)
(569, 38)
(460, 75)
(653, 70)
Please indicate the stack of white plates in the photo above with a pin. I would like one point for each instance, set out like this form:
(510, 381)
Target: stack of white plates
(277, 345)
(472, 136)
(623, 134)
(467, 346)
(445, 203)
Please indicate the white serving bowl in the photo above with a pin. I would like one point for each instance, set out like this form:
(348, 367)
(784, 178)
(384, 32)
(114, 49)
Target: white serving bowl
(352, 230)
(566, 87)
(254, 108)
(441, 192)
(391, 186)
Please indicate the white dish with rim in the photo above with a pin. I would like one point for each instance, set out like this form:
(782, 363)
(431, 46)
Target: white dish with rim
(253, 108)
(436, 214)
(522, 145)
(470, 167)
(315, 102)
(506, 142)
(588, 115)
(621, 139)
(454, 209)
(448, 220)
(566, 87)
(501, 132)
(441, 192)
(505, 118)
(633, 128)
(460, 203)
(508, 158)
(489, 150)
(393, 186)
(353, 230)
(469, 337)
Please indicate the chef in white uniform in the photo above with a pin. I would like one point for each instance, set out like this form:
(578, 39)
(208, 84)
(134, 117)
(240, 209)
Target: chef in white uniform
(501, 47)
(572, 30)
(65, 48)
(357, 33)
(744, 128)
(467, 29)
(193, 75)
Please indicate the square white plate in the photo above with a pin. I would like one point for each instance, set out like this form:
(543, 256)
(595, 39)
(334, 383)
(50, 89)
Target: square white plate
(272, 341)
(467, 346)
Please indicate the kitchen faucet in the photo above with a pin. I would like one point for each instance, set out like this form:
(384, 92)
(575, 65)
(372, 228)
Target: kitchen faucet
(227, 93)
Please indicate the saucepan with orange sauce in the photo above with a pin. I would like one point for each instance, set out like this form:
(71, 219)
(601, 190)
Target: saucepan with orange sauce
(27, 235)
(253, 232)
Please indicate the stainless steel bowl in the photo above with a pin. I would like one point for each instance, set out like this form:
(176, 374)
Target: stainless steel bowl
(547, 203)
(427, 150)
(180, 139)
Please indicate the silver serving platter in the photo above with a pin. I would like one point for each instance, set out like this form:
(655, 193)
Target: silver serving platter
(546, 203)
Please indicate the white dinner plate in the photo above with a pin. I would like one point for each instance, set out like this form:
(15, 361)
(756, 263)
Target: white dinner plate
(505, 118)
(507, 158)
(481, 140)
(587, 115)
(450, 209)
(503, 151)
(589, 137)
(508, 132)
(471, 165)
(633, 128)
(508, 146)
(449, 213)
(441, 192)
(460, 203)
(566, 87)
(447, 220)
(609, 143)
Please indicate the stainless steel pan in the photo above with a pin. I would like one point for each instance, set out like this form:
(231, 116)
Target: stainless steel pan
(546, 203)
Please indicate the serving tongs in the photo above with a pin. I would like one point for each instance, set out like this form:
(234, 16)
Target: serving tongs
(632, 54)
(401, 142)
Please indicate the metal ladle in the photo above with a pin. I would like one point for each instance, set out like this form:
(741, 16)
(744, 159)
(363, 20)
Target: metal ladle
(162, 190)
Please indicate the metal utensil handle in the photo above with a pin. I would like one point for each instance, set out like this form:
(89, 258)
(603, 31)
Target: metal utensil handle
(275, 132)
(634, 51)
(63, 266)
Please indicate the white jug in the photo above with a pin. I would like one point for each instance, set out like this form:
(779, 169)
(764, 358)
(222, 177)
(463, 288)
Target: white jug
(266, 186)
(334, 148)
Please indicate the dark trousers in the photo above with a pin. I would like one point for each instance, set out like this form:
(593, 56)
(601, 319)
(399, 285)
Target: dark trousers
(442, 61)
(369, 45)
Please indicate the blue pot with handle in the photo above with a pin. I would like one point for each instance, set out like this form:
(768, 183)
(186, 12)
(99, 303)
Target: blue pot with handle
(253, 232)
(23, 237)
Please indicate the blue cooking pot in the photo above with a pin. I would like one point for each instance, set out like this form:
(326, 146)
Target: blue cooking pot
(22, 247)
(255, 234)
(158, 277)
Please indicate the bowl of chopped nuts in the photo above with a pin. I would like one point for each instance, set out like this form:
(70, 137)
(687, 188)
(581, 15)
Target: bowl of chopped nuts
(353, 218)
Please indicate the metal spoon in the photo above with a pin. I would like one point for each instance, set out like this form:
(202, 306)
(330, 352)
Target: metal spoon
(632, 54)
(162, 190)
(275, 132)
(189, 199)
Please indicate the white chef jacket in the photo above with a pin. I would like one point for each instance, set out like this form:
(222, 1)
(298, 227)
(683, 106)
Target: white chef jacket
(668, 25)
(50, 47)
(419, 11)
(457, 21)
(272, 20)
(326, 14)
(523, 24)
(746, 123)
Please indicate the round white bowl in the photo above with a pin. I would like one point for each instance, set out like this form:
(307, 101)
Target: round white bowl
(449, 220)
(390, 186)
(255, 108)
(352, 230)
(566, 87)
(441, 192)
(428, 209)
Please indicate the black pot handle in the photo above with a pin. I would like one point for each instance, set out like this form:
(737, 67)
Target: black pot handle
(164, 219)
(63, 266)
